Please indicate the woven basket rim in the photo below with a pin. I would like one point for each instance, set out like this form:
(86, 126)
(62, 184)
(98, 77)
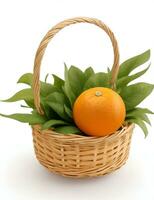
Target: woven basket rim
(57, 135)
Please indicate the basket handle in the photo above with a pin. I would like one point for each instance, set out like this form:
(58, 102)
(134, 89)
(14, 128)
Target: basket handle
(50, 34)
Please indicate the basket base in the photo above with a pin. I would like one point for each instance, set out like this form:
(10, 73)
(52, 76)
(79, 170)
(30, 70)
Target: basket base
(78, 156)
(70, 174)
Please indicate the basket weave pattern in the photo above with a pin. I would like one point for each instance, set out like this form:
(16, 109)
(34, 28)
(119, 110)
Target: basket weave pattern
(81, 156)
(75, 155)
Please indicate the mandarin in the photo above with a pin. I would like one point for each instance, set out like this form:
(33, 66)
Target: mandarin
(99, 111)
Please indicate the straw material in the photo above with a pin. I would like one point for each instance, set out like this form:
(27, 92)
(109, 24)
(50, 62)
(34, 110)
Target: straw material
(81, 156)
(75, 155)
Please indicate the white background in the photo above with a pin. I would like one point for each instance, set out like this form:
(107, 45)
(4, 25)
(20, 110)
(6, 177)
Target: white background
(22, 26)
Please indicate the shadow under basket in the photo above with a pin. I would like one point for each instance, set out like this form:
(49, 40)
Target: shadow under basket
(81, 156)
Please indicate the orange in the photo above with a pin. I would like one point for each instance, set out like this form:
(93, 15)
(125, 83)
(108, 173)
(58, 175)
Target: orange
(99, 111)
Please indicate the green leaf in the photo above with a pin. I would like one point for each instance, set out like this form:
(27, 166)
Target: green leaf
(68, 130)
(46, 77)
(27, 118)
(46, 88)
(68, 111)
(56, 97)
(76, 80)
(30, 103)
(135, 94)
(56, 101)
(97, 80)
(58, 82)
(53, 122)
(132, 63)
(138, 114)
(141, 124)
(145, 118)
(122, 82)
(67, 88)
(144, 110)
(25, 94)
(26, 79)
(58, 108)
(67, 101)
(88, 72)
(49, 112)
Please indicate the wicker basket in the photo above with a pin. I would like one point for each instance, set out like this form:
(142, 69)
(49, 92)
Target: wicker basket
(75, 155)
